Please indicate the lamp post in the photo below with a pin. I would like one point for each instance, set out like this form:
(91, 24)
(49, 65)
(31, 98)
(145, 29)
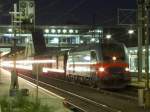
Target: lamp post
(0, 67)
(14, 78)
(140, 13)
(146, 39)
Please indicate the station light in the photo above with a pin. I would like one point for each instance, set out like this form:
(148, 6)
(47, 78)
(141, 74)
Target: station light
(81, 41)
(131, 31)
(58, 31)
(108, 36)
(131, 51)
(64, 31)
(53, 30)
(93, 39)
(10, 30)
(46, 30)
(71, 31)
(99, 31)
(76, 31)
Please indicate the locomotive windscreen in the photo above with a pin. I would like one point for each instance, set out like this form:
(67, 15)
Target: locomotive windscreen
(113, 51)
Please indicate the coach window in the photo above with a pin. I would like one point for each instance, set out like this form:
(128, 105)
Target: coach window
(93, 56)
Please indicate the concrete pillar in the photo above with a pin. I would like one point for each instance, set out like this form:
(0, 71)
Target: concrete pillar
(141, 97)
(147, 99)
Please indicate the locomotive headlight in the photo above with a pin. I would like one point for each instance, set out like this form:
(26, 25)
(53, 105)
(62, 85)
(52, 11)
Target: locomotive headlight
(114, 58)
(101, 69)
(126, 69)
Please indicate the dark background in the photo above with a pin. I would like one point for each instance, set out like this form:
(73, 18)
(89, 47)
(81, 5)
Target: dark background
(60, 12)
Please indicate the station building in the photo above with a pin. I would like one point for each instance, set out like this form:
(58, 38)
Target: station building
(57, 36)
(133, 59)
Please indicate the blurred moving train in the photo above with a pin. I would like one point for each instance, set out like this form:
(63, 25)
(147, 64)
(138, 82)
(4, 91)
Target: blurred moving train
(104, 64)
(100, 64)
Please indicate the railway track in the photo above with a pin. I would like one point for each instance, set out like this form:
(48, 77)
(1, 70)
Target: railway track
(129, 93)
(95, 106)
(90, 99)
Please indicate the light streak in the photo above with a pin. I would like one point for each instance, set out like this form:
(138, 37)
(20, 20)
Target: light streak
(53, 70)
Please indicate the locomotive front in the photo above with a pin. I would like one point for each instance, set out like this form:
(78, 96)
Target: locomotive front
(113, 68)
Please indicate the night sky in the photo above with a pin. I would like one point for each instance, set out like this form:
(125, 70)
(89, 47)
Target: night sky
(60, 12)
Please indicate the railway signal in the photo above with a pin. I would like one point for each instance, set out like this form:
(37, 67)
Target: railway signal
(27, 9)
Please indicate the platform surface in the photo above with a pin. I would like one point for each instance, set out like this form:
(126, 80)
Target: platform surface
(46, 97)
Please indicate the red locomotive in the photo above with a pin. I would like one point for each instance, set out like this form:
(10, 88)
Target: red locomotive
(104, 65)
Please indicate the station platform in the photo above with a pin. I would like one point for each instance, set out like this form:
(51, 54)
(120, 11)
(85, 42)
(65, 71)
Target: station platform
(45, 97)
(138, 84)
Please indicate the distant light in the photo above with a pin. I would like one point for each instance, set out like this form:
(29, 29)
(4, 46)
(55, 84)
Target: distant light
(46, 30)
(135, 51)
(76, 31)
(58, 31)
(131, 51)
(64, 31)
(10, 30)
(53, 30)
(97, 41)
(99, 31)
(131, 31)
(93, 39)
(81, 41)
(143, 50)
(108, 36)
(71, 31)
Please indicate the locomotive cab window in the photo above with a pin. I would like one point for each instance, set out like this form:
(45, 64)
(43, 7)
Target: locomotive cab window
(113, 52)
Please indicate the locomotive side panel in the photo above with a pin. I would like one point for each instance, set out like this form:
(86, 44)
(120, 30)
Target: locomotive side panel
(78, 64)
